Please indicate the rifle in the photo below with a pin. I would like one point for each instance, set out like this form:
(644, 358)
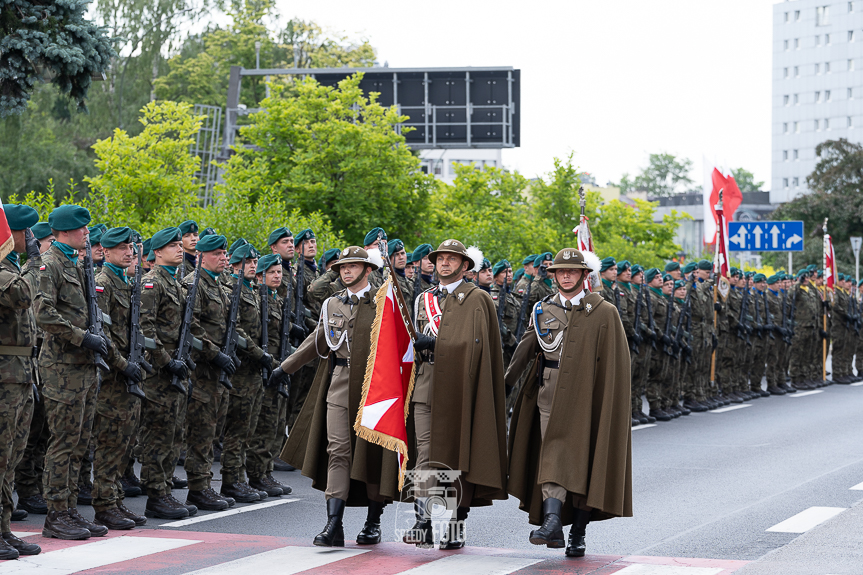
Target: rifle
(265, 318)
(418, 289)
(94, 314)
(522, 312)
(184, 344)
(758, 326)
(136, 336)
(230, 346)
(633, 345)
(285, 348)
(785, 337)
(742, 330)
(650, 323)
(768, 316)
(678, 336)
(501, 306)
(299, 315)
(688, 348)
(791, 318)
(616, 299)
(669, 348)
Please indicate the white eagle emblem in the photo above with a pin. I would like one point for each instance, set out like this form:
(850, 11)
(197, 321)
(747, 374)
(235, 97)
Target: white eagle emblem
(567, 255)
(346, 252)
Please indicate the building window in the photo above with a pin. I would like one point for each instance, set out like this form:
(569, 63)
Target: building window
(785, 127)
(796, 182)
(817, 97)
(827, 123)
(818, 69)
(785, 100)
(787, 17)
(850, 35)
(796, 155)
(796, 99)
(797, 15)
(826, 95)
(785, 45)
(850, 122)
(784, 182)
(796, 71)
(826, 67)
(796, 127)
(827, 39)
(817, 129)
(822, 15)
(785, 72)
(817, 40)
(796, 43)
(851, 6)
(784, 155)
(850, 64)
(850, 93)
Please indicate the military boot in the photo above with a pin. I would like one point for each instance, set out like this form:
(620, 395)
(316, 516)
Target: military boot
(178, 483)
(189, 507)
(333, 534)
(421, 533)
(280, 465)
(259, 484)
(131, 484)
(114, 519)
(85, 493)
(21, 546)
(33, 504)
(206, 501)
(576, 545)
(550, 533)
(165, 507)
(94, 529)
(371, 533)
(454, 536)
(238, 492)
(58, 524)
(19, 515)
(138, 520)
(7, 552)
(212, 493)
(276, 483)
(660, 415)
(774, 390)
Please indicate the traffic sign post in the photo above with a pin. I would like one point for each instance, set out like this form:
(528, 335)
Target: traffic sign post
(765, 236)
(855, 245)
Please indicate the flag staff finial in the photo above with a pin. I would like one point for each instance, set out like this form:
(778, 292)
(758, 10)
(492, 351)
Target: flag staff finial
(582, 201)
(824, 227)
(718, 206)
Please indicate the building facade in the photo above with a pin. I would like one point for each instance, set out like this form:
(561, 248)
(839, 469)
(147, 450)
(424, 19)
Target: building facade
(817, 86)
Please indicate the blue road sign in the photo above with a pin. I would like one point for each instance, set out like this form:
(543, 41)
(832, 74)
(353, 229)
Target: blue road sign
(765, 236)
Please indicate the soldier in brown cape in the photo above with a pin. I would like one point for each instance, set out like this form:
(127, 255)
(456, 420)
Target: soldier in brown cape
(570, 439)
(351, 471)
(459, 399)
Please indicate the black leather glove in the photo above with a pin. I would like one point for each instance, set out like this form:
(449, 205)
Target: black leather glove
(666, 339)
(31, 244)
(825, 304)
(637, 339)
(266, 361)
(717, 306)
(424, 342)
(133, 371)
(278, 377)
(225, 363)
(297, 331)
(714, 340)
(823, 334)
(178, 368)
(95, 343)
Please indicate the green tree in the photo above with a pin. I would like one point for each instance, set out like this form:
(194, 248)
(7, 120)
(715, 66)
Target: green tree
(555, 199)
(629, 232)
(336, 150)
(665, 175)
(48, 40)
(746, 180)
(145, 174)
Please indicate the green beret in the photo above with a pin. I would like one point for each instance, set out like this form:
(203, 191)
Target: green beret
(636, 269)
(41, 230)
(372, 236)
(330, 255)
(772, 279)
(623, 265)
(500, 266)
(278, 234)
(733, 270)
(211, 242)
(306, 234)
(68, 217)
(188, 227)
(650, 274)
(519, 273)
(860, 283)
(422, 251)
(690, 267)
(207, 232)
(705, 265)
(95, 235)
(529, 259)
(607, 263)
(759, 277)
(811, 267)
(394, 246)
(410, 257)
(543, 257)
(245, 251)
(268, 261)
(151, 257)
(679, 284)
(164, 237)
(147, 243)
(841, 277)
(671, 266)
(486, 264)
(667, 278)
(20, 217)
(239, 242)
(116, 236)
(819, 273)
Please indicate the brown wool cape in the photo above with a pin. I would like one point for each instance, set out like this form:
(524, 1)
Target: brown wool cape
(468, 424)
(588, 442)
(306, 448)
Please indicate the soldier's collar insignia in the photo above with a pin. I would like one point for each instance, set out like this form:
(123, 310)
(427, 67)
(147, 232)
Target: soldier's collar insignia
(460, 297)
(588, 307)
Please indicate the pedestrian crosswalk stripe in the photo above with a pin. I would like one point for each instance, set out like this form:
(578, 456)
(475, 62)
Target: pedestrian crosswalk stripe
(858, 487)
(645, 426)
(806, 519)
(473, 564)
(731, 408)
(228, 513)
(284, 561)
(805, 393)
(667, 570)
(92, 555)
(23, 534)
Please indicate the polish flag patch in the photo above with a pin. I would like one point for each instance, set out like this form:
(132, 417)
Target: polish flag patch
(41, 269)
(100, 289)
(148, 286)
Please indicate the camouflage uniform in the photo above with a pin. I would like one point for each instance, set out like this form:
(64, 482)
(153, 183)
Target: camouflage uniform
(839, 334)
(539, 289)
(657, 381)
(302, 382)
(775, 345)
(117, 411)
(508, 330)
(641, 361)
(247, 392)
(69, 376)
(17, 372)
(803, 345)
(162, 307)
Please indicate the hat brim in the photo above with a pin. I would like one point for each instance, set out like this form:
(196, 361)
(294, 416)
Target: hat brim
(569, 266)
(433, 257)
(337, 264)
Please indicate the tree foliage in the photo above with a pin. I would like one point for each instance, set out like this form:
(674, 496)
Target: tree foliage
(746, 180)
(665, 175)
(555, 200)
(337, 151)
(43, 40)
(629, 232)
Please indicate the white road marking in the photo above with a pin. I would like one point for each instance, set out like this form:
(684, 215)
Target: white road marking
(805, 393)
(858, 384)
(473, 564)
(642, 569)
(284, 561)
(227, 513)
(858, 487)
(23, 534)
(92, 555)
(807, 519)
(645, 426)
(731, 408)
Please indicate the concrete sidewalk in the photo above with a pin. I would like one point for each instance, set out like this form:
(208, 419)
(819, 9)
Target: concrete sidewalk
(833, 548)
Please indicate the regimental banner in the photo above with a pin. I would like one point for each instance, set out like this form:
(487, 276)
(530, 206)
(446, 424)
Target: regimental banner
(7, 244)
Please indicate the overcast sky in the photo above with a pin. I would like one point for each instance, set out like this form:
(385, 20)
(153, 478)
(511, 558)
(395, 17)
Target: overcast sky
(612, 81)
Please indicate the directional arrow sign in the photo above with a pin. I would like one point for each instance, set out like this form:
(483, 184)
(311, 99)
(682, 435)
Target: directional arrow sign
(765, 236)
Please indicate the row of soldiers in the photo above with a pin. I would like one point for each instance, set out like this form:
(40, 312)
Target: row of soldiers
(758, 327)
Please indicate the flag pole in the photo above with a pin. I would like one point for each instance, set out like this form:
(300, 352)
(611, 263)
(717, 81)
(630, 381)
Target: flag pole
(400, 298)
(823, 311)
(715, 289)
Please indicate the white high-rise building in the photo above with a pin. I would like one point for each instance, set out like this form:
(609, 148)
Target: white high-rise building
(817, 86)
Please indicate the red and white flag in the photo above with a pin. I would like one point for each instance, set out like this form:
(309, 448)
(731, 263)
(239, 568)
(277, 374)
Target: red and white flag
(731, 199)
(389, 380)
(585, 244)
(829, 262)
(720, 260)
(7, 244)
